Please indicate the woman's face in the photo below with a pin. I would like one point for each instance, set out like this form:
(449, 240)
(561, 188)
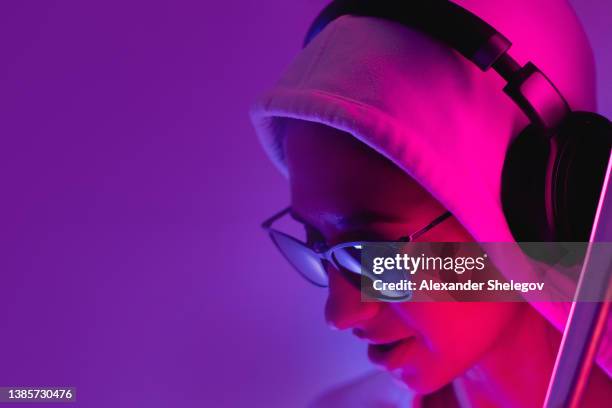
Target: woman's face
(345, 191)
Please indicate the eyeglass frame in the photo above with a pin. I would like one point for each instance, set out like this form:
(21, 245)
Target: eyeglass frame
(324, 251)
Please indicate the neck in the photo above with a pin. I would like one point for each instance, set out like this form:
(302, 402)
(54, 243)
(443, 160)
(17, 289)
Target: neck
(516, 371)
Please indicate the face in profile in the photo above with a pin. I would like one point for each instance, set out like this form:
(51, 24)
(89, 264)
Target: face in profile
(344, 191)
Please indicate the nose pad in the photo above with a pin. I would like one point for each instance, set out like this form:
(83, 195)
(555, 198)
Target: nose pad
(344, 308)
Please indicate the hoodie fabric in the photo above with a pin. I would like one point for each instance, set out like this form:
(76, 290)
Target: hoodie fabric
(425, 108)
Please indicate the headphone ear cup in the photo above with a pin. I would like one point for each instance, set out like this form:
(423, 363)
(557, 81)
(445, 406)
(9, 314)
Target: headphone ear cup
(583, 144)
(551, 185)
(524, 185)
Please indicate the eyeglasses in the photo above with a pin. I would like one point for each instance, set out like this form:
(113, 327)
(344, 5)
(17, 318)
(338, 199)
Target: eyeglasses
(308, 258)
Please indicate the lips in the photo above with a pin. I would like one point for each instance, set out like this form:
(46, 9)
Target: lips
(385, 347)
(392, 355)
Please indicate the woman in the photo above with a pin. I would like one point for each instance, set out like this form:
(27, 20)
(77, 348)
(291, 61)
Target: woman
(380, 129)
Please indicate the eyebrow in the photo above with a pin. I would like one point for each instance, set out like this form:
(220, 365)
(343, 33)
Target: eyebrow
(357, 219)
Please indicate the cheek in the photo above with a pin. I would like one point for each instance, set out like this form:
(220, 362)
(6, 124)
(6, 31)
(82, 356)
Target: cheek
(454, 337)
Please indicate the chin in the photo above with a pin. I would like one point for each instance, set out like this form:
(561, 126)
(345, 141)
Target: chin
(421, 380)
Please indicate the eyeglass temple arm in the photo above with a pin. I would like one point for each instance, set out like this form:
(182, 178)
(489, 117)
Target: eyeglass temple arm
(267, 223)
(429, 226)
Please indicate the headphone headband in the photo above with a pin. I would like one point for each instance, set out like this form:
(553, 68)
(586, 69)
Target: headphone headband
(463, 31)
(469, 35)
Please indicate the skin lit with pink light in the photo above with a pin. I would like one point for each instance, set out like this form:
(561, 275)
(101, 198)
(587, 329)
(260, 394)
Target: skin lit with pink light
(494, 354)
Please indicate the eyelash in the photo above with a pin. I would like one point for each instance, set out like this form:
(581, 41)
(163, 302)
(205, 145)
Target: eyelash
(313, 235)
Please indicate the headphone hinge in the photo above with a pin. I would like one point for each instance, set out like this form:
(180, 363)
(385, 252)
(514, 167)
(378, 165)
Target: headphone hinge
(537, 97)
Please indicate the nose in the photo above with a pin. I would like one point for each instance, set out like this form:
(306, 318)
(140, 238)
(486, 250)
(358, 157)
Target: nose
(344, 308)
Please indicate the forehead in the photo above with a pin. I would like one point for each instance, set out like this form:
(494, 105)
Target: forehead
(331, 173)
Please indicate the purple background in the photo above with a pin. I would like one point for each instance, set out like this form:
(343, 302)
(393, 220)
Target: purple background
(131, 261)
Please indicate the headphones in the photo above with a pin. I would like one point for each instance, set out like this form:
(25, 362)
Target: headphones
(554, 169)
